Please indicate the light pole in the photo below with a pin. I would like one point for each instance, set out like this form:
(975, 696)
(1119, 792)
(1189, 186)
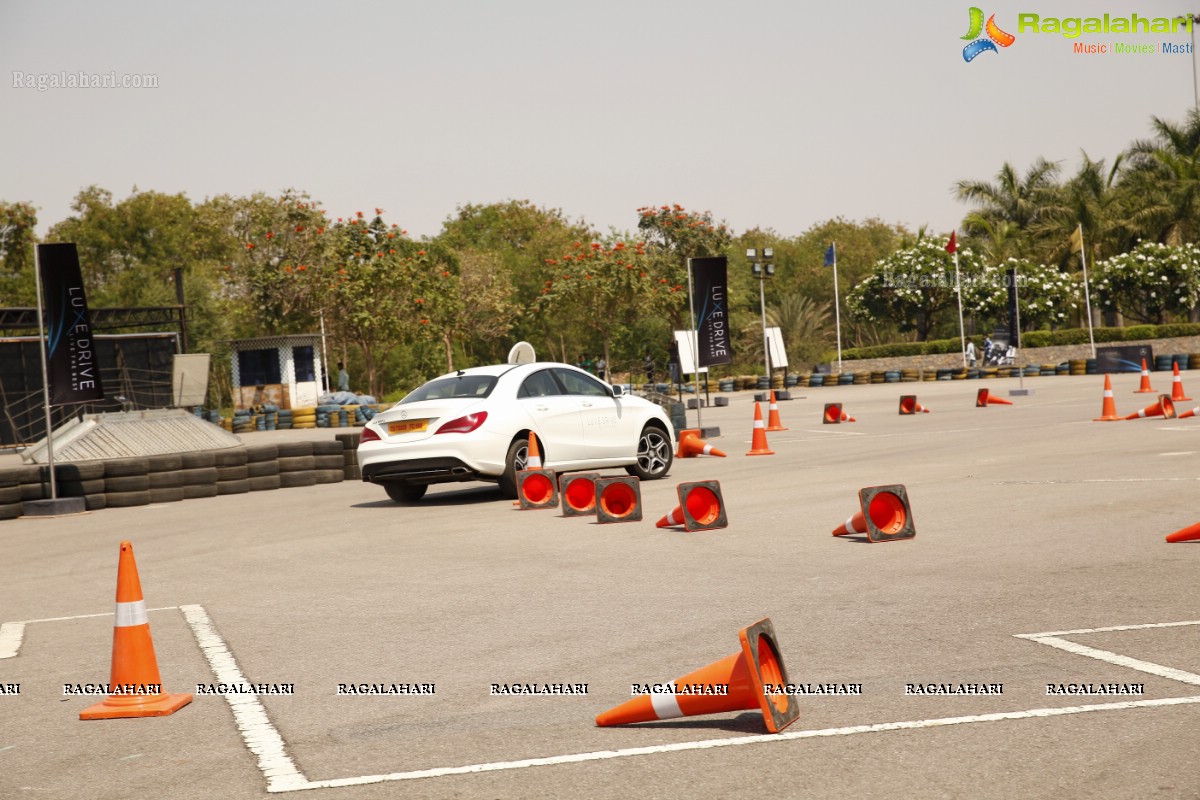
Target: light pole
(1192, 20)
(762, 268)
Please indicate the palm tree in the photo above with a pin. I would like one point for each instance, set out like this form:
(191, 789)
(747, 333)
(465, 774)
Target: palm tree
(1165, 174)
(805, 324)
(1022, 202)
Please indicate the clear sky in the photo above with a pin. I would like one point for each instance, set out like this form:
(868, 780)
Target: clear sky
(772, 114)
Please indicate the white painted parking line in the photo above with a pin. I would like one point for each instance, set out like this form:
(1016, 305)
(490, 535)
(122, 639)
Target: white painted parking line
(260, 736)
(12, 633)
(1054, 639)
(706, 744)
(1110, 629)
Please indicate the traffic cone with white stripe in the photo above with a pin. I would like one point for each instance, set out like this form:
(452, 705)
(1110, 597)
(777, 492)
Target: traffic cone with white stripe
(1108, 412)
(884, 516)
(1145, 387)
(984, 398)
(1189, 413)
(773, 421)
(691, 445)
(1177, 393)
(701, 507)
(758, 444)
(135, 686)
(1190, 533)
(909, 405)
(534, 458)
(752, 678)
(1163, 408)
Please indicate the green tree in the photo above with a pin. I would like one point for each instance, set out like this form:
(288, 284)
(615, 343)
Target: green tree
(914, 287)
(1150, 282)
(18, 235)
(1164, 174)
(1047, 295)
(673, 235)
(1027, 203)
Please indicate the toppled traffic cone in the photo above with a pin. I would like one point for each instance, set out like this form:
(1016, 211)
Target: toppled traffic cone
(135, 686)
(618, 499)
(700, 508)
(1145, 387)
(1189, 413)
(1108, 412)
(833, 414)
(1163, 408)
(1177, 393)
(985, 398)
(752, 678)
(885, 515)
(758, 444)
(773, 421)
(537, 488)
(578, 493)
(1188, 534)
(909, 405)
(691, 445)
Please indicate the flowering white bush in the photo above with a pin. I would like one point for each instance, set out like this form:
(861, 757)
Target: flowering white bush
(1047, 295)
(1150, 281)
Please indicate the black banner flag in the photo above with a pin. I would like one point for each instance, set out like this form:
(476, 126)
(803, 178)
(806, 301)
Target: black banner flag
(711, 308)
(70, 346)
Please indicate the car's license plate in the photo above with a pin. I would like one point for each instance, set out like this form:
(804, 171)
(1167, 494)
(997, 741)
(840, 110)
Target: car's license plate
(408, 426)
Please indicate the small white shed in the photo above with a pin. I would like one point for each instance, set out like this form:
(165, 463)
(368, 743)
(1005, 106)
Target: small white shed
(286, 371)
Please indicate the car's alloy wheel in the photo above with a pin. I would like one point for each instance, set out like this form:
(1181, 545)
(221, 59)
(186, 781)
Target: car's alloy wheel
(654, 454)
(516, 460)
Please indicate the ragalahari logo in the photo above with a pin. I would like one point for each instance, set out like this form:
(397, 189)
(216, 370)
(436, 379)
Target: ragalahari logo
(995, 36)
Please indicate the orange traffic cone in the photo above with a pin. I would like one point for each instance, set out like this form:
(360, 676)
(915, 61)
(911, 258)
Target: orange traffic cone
(773, 421)
(1190, 533)
(758, 444)
(1163, 408)
(885, 515)
(984, 398)
(1108, 413)
(833, 414)
(700, 508)
(537, 488)
(752, 678)
(1189, 413)
(909, 405)
(578, 492)
(1177, 395)
(618, 499)
(135, 685)
(534, 459)
(691, 445)
(1145, 387)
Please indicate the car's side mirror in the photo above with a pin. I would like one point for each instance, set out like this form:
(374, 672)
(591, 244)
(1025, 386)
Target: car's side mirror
(618, 390)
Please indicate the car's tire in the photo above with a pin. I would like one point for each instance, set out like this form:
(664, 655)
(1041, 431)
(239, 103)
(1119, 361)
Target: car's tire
(403, 492)
(655, 454)
(514, 461)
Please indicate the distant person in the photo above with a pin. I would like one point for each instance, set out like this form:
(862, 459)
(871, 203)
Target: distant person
(343, 378)
(987, 349)
(970, 353)
(601, 368)
(649, 369)
(673, 362)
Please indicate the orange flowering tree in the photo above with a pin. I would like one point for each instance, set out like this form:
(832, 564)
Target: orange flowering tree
(382, 289)
(674, 234)
(603, 286)
(281, 246)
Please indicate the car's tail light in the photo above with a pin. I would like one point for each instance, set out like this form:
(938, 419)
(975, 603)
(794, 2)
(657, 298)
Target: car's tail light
(369, 435)
(464, 424)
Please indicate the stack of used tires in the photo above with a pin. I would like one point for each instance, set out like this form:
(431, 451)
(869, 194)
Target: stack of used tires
(262, 467)
(324, 413)
(165, 474)
(350, 469)
(199, 471)
(1077, 366)
(304, 417)
(1194, 361)
(283, 419)
(727, 385)
(10, 492)
(296, 464)
(910, 375)
(243, 422)
(330, 461)
(816, 379)
(127, 482)
(81, 479)
(232, 475)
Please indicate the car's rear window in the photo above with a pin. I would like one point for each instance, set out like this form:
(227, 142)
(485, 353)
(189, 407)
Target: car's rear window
(467, 386)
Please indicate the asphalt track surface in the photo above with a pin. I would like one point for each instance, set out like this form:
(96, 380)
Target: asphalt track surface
(1030, 519)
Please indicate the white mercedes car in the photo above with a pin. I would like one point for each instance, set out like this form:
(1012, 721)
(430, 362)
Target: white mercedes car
(474, 425)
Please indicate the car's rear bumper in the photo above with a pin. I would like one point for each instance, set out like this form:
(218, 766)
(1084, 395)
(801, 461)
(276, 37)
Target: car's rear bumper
(444, 469)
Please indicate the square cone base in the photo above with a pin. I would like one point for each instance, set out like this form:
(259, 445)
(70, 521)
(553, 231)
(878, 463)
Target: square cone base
(125, 706)
(887, 512)
(768, 674)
